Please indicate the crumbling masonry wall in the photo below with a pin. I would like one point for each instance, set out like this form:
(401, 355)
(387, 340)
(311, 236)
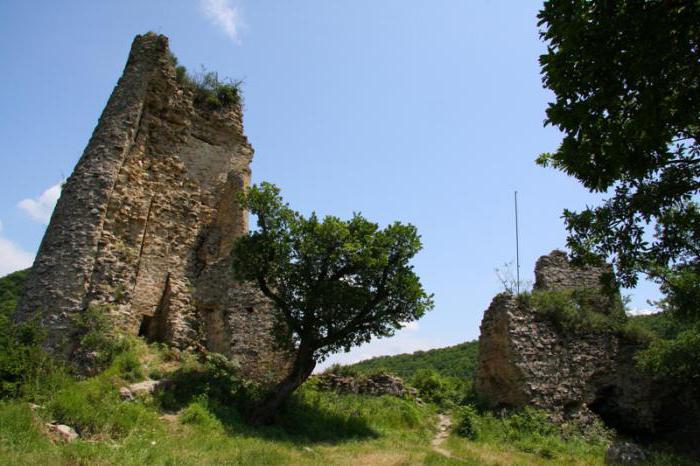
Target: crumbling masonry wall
(146, 222)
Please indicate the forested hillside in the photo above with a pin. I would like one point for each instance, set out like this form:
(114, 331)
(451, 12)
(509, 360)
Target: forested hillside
(10, 287)
(453, 361)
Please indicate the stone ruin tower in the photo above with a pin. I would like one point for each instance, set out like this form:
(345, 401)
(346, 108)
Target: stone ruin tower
(146, 222)
(524, 359)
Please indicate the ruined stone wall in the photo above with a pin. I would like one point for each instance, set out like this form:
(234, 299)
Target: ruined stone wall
(555, 272)
(145, 224)
(524, 359)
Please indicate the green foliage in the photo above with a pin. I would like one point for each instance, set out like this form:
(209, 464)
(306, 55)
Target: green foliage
(127, 365)
(24, 364)
(627, 85)
(466, 422)
(529, 431)
(216, 379)
(677, 358)
(627, 98)
(438, 389)
(660, 324)
(198, 413)
(453, 361)
(339, 369)
(579, 310)
(337, 283)
(10, 288)
(96, 334)
(93, 407)
(209, 90)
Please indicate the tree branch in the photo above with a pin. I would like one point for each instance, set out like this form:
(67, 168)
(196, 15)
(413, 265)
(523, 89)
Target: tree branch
(281, 304)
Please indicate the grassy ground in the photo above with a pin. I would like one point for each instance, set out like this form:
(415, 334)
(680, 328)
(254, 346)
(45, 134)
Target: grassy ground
(190, 424)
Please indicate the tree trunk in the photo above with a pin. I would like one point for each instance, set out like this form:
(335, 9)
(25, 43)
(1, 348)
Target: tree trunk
(264, 412)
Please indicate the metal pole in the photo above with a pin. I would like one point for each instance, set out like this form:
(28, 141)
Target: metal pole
(517, 246)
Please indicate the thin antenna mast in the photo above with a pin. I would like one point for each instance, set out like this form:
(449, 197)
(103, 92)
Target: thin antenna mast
(517, 246)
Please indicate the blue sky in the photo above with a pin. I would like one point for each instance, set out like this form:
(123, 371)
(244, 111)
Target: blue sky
(424, 112)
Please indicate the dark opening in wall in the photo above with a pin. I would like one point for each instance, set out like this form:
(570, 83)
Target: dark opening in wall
(607, 405)
(145, 326)
(153, 328)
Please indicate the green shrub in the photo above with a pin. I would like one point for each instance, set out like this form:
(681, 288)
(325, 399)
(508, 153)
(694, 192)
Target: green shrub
(24, 364)
(677, 359)
(197, 413)
(180, 74)
(467, 422)
(580, 310)
(635, 332)
(96, 335)
(339, 369)
(10, 288)
(528, 421)
(211, 91)
(217, 379)
(127, 366)
(435, 388)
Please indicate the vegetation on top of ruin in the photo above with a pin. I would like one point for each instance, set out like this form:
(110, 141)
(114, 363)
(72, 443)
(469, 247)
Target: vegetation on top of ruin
(592, 311)
(209, 90)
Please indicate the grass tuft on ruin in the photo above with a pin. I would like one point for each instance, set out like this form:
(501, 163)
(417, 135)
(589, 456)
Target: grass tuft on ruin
(209, 89)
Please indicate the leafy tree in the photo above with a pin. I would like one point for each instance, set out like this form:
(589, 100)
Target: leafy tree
(336, 283)
(626, 80)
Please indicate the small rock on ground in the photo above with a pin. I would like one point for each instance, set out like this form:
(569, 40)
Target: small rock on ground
(63, 432)
(148, 386)
(625, 453)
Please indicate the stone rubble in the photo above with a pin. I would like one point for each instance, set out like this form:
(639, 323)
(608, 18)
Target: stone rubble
(376, 385)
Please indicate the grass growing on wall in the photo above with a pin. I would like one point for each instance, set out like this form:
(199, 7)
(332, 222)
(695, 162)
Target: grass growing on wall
(209, 90)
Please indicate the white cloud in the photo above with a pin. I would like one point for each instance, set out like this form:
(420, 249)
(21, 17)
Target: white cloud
(411, 326)
(405, 341)
(225, 16)
(40, 208)
(642, 312)
(12, 257)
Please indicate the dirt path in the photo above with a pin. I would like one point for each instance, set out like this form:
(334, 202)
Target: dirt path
(443, 431)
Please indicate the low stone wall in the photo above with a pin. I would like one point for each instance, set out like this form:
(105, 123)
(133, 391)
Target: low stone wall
(376, 385)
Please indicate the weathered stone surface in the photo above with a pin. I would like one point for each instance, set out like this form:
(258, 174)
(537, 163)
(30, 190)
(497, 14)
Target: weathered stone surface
(126, 394)
(376, 385)
(555, 272)
(148, 386)
(146, 222)
(524, 359)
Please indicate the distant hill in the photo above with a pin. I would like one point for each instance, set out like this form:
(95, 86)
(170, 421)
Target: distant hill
(10, 288)
(453, 361)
